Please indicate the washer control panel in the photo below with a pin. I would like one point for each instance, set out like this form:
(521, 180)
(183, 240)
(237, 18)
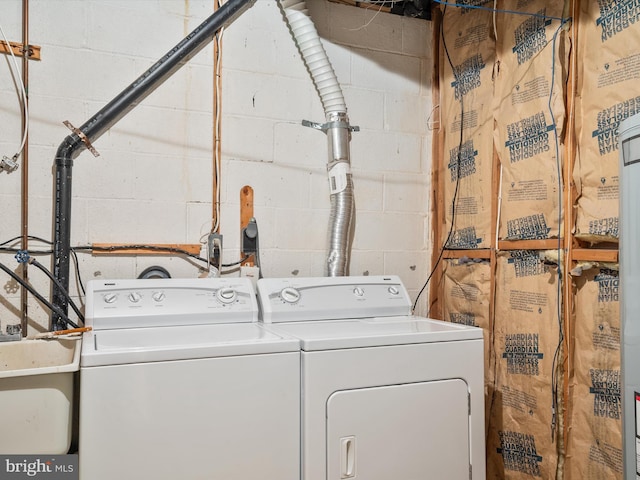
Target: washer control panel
(331, 298)
(137, 303)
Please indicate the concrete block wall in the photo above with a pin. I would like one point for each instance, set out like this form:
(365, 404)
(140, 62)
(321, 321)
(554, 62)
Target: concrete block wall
(153, 180)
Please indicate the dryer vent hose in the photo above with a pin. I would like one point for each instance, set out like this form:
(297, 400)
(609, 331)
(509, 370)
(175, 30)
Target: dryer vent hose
(338, 130)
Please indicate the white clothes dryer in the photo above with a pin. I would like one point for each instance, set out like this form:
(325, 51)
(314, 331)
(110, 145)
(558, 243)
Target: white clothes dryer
(385, 395)
(178, 381)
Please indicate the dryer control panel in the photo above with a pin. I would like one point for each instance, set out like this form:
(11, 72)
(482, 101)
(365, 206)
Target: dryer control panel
(331, 298)
(136, 303)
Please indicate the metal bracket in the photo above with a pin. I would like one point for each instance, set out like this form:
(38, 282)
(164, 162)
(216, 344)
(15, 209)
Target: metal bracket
(326, 126)
(83, 137)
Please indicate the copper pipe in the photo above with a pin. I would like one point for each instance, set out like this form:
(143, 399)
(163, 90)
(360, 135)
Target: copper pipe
(25, 165)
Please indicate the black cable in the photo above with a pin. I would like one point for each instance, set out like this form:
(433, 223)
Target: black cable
(73, 305)
(51, 307)
(30, 237)
(458, 161)
(77, 268)
(236, 263)
(31, 252)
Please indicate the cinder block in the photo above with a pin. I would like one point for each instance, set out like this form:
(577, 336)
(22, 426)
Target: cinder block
(267, 96)
(300, 146)
(288, 263)
(247, 138)
(386, 71)
(115, 27)
(301, 229)
(411, 266)
(402, 113)
(366, 262)
(365, 108)
(416, 37)
(386, 151)
(392, 231)
(406, 192)
(133, 221)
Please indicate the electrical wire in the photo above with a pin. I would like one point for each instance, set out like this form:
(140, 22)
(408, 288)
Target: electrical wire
(458, 161)
(556, 356)
(488, 9)
(77, 269)
(57, 283)
(563, 21)
(22, 90)
(57, 310)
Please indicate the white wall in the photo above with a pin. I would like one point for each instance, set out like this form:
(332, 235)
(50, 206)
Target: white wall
(153, 180)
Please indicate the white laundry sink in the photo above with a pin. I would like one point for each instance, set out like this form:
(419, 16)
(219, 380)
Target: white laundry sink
(36, 395)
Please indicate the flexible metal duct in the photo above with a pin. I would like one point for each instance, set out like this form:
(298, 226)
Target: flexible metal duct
(338, 133)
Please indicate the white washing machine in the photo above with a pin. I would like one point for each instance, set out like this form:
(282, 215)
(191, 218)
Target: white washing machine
(178, 381)
(385, 395)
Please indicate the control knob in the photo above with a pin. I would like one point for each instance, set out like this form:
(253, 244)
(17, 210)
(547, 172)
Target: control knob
(290, 295)
(134, 297)
(226, 295)
(158, 296)
(110, 297)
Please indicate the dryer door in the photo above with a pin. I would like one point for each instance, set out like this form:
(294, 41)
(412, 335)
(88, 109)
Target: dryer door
(409, 432)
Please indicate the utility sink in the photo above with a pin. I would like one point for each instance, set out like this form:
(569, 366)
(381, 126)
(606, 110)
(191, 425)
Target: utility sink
(36, 395)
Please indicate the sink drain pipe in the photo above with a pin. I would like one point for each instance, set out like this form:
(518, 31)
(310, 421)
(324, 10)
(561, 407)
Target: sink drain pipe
(338, 130)
(102, 121)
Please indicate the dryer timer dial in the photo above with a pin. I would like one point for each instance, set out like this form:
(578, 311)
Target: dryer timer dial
(290, 295)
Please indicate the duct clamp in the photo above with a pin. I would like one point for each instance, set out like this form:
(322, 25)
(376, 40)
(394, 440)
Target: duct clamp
(323, 127)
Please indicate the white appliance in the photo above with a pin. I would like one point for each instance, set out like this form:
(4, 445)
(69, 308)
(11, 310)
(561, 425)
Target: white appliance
(629, 135)
(385, 395)
(178, 381)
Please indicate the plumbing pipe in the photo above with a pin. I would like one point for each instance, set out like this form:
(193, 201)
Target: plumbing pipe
(338, 130)
(108, 116)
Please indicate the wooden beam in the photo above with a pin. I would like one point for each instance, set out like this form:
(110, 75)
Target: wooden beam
(436, 290)
(18, 50)
(530, 244)
(160, 249)
(246, 214)
(482, 254)
(595, 255)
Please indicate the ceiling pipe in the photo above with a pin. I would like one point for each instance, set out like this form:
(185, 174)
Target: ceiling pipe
(102, 121)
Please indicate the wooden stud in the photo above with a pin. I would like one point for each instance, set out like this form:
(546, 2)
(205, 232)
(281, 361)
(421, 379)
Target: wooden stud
(18, 50)
(104, 249)
(436, 290)
(551, 244)
(246, 214)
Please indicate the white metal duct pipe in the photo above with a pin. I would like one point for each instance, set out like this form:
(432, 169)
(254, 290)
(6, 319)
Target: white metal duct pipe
(338, 133)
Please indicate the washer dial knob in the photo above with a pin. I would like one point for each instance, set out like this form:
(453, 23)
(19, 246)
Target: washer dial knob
(158, 296)
(134, 297)
(226, 295)
(290, 295)
(393, 290)
(110, 297)
(358, 292)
